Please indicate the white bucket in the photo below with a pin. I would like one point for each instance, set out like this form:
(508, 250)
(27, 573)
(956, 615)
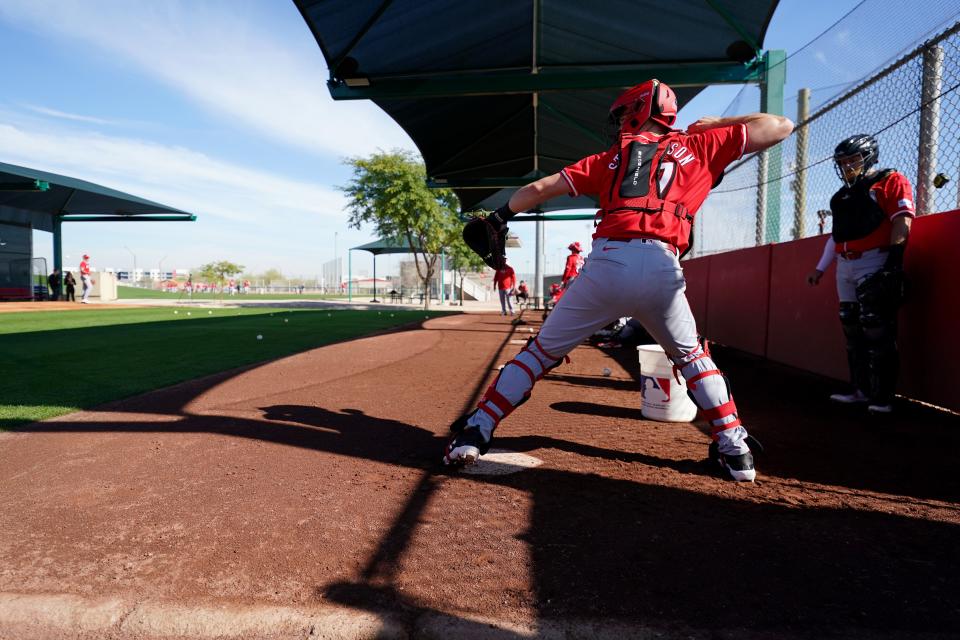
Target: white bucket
(662, 397)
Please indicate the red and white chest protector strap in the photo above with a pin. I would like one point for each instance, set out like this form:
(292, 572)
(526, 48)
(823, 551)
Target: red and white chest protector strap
(632, 204)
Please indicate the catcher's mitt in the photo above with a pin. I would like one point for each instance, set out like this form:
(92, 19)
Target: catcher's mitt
(488, 239)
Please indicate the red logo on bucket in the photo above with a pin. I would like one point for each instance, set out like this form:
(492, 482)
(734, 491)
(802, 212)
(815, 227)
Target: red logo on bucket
(661, 384)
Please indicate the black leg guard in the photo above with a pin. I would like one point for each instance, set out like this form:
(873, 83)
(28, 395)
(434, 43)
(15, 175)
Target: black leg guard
(850, 320)
(883, 361)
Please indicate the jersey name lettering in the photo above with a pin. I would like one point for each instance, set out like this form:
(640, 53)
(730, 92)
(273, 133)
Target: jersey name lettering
(681, 154)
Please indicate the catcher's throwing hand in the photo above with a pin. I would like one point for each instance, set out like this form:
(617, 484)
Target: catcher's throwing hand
(704, 123)
(813, 278)
(487, 237)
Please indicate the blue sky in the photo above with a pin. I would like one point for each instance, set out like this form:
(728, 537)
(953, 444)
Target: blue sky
(219, 107)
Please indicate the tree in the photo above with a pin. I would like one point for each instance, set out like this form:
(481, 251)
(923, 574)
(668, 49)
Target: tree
(389, 191)
(463, 259)
(219, 272)
(271, 275)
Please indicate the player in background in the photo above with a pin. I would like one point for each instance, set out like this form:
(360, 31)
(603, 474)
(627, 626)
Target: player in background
(504, 280)
(574, 264)
(872, 214)
(85, 279)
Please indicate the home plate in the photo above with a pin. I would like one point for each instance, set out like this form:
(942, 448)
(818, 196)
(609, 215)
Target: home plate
(498, 462)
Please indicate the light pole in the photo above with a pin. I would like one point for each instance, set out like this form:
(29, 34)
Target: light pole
(160, 266)
(336, 267)
(133, 275)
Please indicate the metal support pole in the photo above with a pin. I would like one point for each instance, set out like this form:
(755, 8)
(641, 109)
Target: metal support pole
(58, 243)
(929, 127)
(771, 101)
(800, 178)
(538, 275)
(349, 275)
(443, 265)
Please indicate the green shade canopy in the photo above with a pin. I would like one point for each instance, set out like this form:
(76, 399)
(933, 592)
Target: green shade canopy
(496, 94)
(29, 196)
(385, 245)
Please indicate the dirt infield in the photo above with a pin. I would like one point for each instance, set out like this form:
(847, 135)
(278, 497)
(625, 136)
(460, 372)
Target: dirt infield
(310, 484)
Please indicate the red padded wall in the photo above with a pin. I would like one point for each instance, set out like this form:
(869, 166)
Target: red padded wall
(804, 326)
(737, 297)
(697, 273)
(930, 319)
(757, 300)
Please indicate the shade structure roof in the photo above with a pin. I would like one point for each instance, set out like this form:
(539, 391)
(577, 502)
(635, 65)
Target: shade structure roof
(385, 245)
(37, 197)
(495, 93)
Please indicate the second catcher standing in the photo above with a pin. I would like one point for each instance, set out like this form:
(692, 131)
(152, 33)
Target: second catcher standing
(872, 214)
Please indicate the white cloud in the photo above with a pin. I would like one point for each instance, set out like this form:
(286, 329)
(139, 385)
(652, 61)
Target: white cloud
(53, 113)
(210, 52)
(174, 176)
(842, 37)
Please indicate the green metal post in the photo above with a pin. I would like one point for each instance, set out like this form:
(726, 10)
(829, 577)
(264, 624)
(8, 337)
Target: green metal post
(771, 101)
(57, 243)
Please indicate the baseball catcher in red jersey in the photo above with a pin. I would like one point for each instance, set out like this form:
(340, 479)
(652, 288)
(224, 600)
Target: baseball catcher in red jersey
(872, 213)
(650, 184)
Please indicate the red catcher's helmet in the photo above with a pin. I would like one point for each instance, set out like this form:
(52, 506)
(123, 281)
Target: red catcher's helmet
(575, 247)
(651, 100)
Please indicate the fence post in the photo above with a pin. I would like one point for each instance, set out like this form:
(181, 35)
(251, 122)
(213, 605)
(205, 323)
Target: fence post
(761, 197)
(929, 127)
(771, 101)
(800, 178)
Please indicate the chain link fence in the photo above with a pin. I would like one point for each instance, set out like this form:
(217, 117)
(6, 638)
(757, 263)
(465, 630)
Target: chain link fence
(912, 107)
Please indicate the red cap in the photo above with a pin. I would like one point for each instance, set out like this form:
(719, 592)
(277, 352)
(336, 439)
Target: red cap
(86, 257)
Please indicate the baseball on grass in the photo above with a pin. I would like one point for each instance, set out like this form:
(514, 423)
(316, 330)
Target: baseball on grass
(606, 372)
(285, 320)
(259, 337)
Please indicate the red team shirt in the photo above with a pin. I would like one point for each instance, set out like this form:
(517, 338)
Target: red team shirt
(573, 266)
(894, 195)
(84, 268)
(692, 163)
(504, 278)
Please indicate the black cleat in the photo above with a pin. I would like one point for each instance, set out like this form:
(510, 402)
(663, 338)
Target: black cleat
(737, 467)
(466, 447)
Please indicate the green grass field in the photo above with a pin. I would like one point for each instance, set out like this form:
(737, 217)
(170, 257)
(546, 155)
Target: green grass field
(58, 362)
(134, 293)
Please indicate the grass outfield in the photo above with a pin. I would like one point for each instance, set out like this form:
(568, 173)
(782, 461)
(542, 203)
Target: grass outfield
(55, 363)
(134, 293)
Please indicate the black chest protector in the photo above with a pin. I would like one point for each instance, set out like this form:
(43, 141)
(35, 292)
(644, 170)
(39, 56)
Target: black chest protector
(855, 214)
(637, 184)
